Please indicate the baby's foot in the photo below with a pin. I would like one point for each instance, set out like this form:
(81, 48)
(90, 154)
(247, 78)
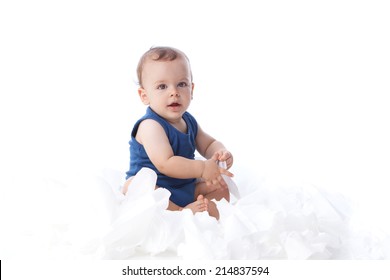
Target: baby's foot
(200, 205)
(212, 209)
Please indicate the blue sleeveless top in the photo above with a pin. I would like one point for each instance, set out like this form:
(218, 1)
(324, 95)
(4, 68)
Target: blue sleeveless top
(183, 144)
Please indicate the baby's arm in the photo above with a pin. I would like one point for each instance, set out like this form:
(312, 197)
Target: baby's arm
(208, 147)
(152, 136)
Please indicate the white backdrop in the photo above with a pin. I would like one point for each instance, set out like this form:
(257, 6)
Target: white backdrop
(297, 90)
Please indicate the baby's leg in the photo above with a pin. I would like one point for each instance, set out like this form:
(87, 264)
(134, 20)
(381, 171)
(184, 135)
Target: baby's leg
(212, 209)
(199, 205)
(211, 192)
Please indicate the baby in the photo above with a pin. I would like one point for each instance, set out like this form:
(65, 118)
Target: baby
(166, 137)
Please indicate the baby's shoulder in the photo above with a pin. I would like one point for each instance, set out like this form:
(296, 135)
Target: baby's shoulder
(150, 125)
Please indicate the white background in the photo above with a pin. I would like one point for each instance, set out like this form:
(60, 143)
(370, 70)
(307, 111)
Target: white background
(297, 90)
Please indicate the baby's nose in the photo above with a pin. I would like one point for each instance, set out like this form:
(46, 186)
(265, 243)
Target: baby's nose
(175, 92)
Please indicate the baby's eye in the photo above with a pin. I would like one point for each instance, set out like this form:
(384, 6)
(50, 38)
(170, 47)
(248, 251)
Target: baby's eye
(162, 86)
(182, 84)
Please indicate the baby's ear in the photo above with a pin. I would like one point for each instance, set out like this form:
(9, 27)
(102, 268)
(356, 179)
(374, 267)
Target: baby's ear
(143, 96)
(192, 90)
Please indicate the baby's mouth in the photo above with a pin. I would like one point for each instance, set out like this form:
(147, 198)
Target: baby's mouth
(174, 104)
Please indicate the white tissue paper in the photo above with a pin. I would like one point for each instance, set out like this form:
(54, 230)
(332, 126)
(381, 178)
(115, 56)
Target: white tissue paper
(87, 217)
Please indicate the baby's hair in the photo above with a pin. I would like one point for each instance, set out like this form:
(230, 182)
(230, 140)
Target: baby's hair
(159, 54)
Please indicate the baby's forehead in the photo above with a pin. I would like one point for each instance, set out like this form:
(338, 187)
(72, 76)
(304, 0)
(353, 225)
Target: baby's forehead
(152, 69)
(177, 61)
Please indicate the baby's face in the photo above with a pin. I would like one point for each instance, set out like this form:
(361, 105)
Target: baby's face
(167, 87)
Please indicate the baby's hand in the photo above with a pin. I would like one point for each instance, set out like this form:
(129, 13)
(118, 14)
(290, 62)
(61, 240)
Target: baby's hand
(224, 155)
(212, 173)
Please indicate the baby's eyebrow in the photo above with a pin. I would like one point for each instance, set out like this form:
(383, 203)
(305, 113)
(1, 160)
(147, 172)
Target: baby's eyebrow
(159, 82)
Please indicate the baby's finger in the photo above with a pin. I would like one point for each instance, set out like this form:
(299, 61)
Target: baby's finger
(224, 156)
(229, 161)
(215, 157)
(226, 172)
